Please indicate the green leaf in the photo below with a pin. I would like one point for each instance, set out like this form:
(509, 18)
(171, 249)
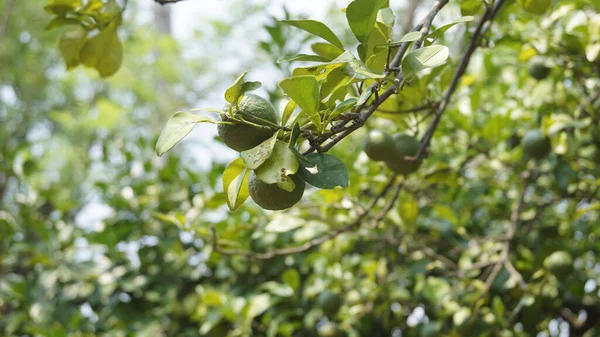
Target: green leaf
(409, 211)
(281, 164)
(70, 44)
(426, 57)
(103, 52)
(61, 21)
(257, 155)
(305, 58)
(446, 213)
(387, 17)
(362, 15)
(316, 28)
(288, 111)
(324, 171)
(61, 7)
(294, 135)
(256, 306)
(326, 50)
(440, 31)
(360, 71)
(177, 127)
(410, 37)
(235, 183)
(291, 277)
(304, 90)
(277, 289)
(238, 88)
(535, 6)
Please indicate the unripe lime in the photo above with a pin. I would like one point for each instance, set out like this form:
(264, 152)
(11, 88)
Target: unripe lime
(538, 70)
(405, 146)
(271, 197)
(379, 145)
(242, 137)
(535, 144)
(329, 302)
(559, 263)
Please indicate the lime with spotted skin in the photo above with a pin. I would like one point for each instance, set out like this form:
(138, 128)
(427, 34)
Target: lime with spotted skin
(241, 137)
(271, 197)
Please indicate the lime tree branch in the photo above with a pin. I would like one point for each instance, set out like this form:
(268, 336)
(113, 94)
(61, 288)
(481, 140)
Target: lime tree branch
(362, 218)
(504, 260)
(488, 16)
(342, 129)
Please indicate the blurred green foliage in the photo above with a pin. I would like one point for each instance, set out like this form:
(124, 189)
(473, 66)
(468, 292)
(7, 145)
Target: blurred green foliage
(99, 237)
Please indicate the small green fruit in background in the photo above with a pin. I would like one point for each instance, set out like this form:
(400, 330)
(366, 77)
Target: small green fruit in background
(379, 145)
(329, 302)
(559, 263)
(535, 144)
(242, 137)
(538, 69)
(405, 146)
(271, 197)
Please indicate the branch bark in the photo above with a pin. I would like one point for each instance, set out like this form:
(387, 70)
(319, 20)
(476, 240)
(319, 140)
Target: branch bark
(489, 15)
(362, 218)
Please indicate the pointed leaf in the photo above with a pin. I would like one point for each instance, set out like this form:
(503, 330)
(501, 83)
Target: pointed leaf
(316, 28)
(535, 6)
(426, 57)
(440, 31)
(324, 171)
(70, 44)
(304, 90)
(103, 52)
(177, 127)
(326, 50)
(362, 15)
(360, 71)
(281, 164)
(410, 37)
(235, 91)
(235, 183)
(304, 58)
(257, 155)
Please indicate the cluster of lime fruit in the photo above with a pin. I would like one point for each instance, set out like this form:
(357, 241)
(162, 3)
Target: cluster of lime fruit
(396, 151)
(244, 136)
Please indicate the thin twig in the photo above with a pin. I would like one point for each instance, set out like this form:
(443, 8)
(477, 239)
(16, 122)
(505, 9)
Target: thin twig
(316, 241)
(342, 129)
(464, 62)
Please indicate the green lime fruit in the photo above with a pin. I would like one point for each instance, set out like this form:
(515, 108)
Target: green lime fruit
(329, 302)
(538, 70)
(536, 145)
(559, 263)
(406, 146)
(242, 137)
(271, 197)
(379, 145)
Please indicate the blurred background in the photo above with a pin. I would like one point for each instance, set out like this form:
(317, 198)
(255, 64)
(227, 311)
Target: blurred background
(100, 237)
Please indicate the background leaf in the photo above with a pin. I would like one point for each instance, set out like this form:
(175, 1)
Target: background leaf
(316, 28)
